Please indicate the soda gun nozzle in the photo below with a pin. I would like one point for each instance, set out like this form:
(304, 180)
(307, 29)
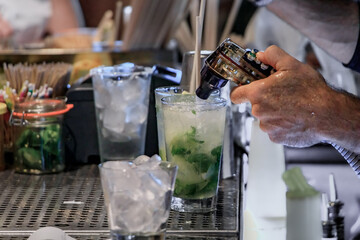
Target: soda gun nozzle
(230, 62)
(210, 81)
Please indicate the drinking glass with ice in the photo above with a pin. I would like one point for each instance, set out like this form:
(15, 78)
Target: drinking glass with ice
(121, 97)
(138, 196)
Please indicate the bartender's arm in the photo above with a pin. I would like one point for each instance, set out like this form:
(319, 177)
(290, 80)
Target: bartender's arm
(297, 108)
(332, 25)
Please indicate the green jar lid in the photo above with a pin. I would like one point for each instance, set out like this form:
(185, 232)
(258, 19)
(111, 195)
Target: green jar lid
(3, 108)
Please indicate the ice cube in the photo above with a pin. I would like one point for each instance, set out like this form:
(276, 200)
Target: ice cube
(149, 195)
(133, 91)
(114, 136)
(155, 157)
(118, 165)
(137, 113)
(102, 97)
(105, 133)
(132, 129)
(97, 81)
(117, 99)
(114, 181)
(159, 182)
(100, 114)
(153, 185)
(111, 171)
(141, 159)
(126, 67)
(142, 82)
(135, 211)
(114, 120)
(146, 163)
(119, 137)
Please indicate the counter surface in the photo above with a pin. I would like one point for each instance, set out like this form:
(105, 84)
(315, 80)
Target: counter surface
(73, 201)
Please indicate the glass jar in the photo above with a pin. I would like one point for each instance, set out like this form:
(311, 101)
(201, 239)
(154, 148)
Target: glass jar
(3, 110)
(38, 143)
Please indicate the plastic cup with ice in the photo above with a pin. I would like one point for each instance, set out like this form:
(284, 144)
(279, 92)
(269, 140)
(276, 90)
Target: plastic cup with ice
(121, 95)
(138, 195)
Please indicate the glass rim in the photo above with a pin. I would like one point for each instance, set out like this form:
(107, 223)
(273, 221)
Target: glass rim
(121, 69)
(211, 101)
(163, 164)
(166, 89)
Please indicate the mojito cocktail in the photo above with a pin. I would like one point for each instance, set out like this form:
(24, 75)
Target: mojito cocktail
(194, 131)
(161, 92)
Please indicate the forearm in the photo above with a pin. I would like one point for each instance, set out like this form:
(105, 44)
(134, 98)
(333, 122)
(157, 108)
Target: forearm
(340, 122)
(333, 26)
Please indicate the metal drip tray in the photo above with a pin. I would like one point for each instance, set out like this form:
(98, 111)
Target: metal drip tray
(73, 201)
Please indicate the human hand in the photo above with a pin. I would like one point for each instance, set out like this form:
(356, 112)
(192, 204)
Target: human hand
(294, 105)
(5, 29)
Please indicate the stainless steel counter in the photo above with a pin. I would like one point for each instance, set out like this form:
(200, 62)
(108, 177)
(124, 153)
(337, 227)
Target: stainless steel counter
(73, 201)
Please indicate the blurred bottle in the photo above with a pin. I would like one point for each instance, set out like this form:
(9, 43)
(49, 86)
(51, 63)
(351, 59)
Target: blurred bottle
(266, 191)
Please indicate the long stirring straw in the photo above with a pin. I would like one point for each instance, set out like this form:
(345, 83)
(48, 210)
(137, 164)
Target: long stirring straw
(195, 74)
(197, 52)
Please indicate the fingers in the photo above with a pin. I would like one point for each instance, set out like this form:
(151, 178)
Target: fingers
(277, 58)
(238, 95)
(247, 93)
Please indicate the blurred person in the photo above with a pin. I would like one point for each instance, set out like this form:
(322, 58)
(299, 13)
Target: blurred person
(5, 29)
(295, 105)
(27, 21)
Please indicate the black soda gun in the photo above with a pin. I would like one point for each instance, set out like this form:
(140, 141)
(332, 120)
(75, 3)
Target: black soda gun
(230, 62)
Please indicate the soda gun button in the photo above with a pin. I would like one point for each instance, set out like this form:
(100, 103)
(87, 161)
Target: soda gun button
(264, 66)
(251, 56)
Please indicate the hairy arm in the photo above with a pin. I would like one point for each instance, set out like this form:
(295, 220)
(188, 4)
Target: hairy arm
(297, 108)
(332, 25)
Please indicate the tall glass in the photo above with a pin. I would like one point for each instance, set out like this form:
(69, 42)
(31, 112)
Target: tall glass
(194, 132)
(121, 95)
(161, 92)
